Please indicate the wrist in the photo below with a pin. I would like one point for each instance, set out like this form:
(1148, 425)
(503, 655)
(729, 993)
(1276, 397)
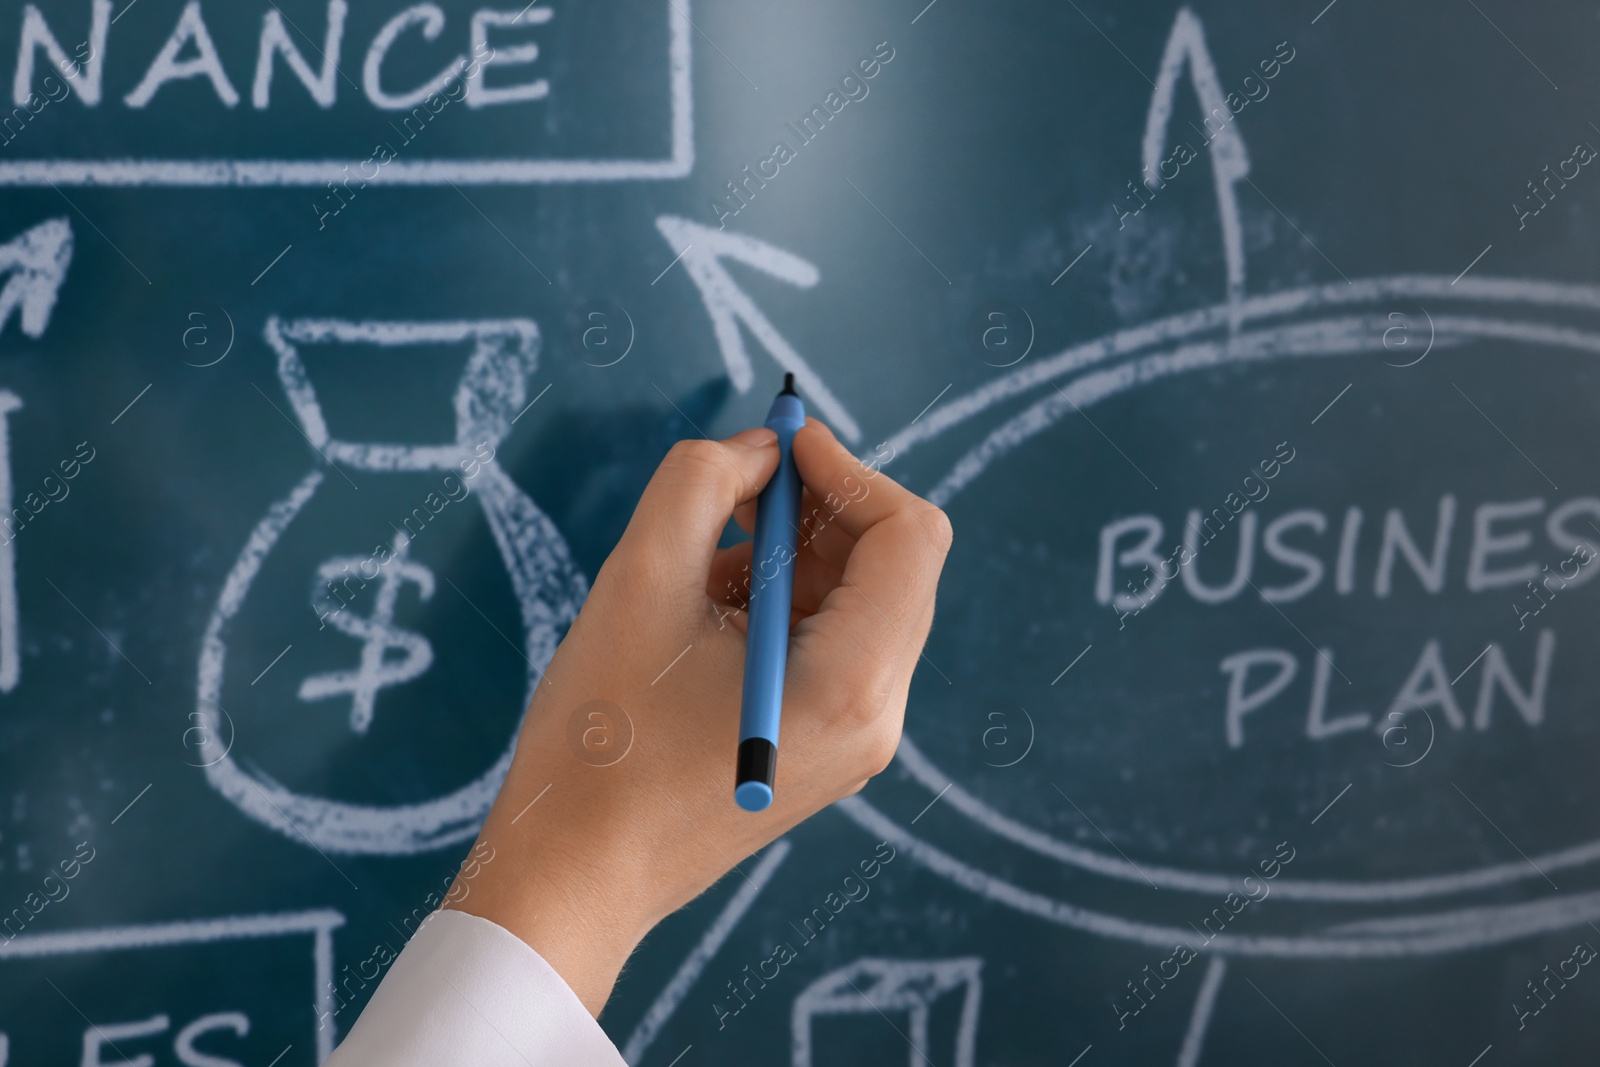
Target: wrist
(562, 901)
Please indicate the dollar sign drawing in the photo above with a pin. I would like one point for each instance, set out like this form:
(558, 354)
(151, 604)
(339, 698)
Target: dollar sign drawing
(377, 631)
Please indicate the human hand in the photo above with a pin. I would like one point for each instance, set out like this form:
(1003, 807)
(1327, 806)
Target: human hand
(589, 858)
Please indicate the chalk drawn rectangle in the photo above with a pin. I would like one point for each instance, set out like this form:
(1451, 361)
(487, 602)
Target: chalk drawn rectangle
(285, 173)
(318, 925)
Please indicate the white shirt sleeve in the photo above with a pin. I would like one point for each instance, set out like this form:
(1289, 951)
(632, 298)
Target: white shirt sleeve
(465, 990)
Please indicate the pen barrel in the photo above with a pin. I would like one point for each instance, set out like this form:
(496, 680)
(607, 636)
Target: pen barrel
(772, 569)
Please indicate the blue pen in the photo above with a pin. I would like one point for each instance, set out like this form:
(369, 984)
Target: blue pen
(766, 650)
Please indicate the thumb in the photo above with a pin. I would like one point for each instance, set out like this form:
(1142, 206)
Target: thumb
(673, 534)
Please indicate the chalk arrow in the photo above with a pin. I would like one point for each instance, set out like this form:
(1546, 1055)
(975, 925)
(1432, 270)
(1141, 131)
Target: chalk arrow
(36, 263)
(1230, 162)
(702, 250)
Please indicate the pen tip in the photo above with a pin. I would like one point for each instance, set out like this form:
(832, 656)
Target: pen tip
(788, 385)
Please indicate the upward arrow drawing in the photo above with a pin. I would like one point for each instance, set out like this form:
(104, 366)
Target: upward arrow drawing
(702, 249)
(36, 262)
(1230, 162)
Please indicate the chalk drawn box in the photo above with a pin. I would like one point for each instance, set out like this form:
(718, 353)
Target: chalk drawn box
(244, 988)
(928, 1008)
(461, 92)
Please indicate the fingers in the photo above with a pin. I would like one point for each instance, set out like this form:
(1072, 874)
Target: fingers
(816, 532)
(729, 581)
(882, 607)
(673, 534)
(726, 582)
(855, 495)
(820, 530)
(878, 616)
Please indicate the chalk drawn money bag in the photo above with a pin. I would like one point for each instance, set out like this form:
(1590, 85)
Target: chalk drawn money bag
(361, 595)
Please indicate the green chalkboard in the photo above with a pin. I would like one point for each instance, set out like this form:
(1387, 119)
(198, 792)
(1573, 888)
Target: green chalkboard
(1250, 348)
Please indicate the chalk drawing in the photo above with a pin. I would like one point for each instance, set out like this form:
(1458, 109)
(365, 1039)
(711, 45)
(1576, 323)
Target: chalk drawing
(479, 94)
(183, 1044)
(1205, 1002)
(1337, 320)
(35, 263)
(1346, 336)
(1327, 336)
(547, 585)
(703, 250)
(10, 662)
(190, 34)
(431, 19)
(1230, 161)
(1289, 302)
(377, 633)
(1440, 932)
(275, 40)
(319, 923)
(256, 173)
(883, 986)
(84, 77)
(689, 971)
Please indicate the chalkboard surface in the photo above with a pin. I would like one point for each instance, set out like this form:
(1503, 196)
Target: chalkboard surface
(1249, 347)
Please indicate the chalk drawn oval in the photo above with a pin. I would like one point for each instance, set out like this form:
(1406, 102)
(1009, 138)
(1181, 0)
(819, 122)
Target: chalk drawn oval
(1168, 348)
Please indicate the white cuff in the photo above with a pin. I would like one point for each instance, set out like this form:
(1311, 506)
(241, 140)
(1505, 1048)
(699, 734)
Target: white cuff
(466, 990)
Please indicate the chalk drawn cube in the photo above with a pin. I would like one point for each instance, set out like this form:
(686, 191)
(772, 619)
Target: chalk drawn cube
(908, 990)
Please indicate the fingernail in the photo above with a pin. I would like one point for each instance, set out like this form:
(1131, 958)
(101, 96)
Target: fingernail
(756, 437)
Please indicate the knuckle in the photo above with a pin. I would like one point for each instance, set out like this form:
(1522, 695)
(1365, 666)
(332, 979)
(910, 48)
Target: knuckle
(858, 711)
(937, 526)
(861, 710)
(879, 750)
(694, 458)
(866, 710)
